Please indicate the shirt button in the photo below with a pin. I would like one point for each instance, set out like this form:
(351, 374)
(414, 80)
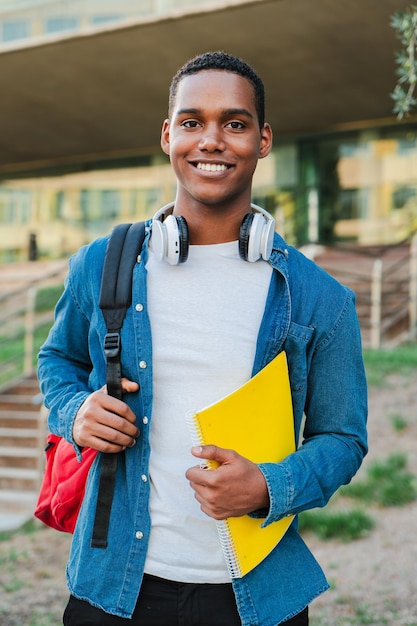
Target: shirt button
(139, 534)
(143, 365)
(138, 259)
(139, 307)
(144, 478)
(145, 419)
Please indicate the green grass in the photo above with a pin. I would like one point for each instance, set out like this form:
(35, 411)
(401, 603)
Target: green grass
(398, 421)
(47, 298)
(42, 619)
(362, 615)
(380, 363)
(387, 483)
(9, 560)
(344, 525)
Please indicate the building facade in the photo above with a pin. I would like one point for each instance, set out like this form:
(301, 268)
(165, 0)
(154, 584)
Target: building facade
(350, 182)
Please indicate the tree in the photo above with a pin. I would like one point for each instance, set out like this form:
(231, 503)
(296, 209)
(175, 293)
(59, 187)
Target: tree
(405, 23)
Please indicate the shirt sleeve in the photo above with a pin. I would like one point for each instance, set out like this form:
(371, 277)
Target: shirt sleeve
(65, 363)
(334, 435)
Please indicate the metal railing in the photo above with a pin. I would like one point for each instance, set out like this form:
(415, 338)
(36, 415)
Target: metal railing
(384, 279)
(26, 314)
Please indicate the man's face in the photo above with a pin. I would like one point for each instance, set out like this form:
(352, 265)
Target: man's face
(214, 140)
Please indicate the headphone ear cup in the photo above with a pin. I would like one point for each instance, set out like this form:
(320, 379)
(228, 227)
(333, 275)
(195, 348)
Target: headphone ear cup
(176, 235)
(244, 234)
(159, 240)
(183, 238)
(256, 237)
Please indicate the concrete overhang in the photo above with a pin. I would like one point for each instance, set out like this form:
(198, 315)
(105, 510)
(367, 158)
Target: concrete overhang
(103, 95)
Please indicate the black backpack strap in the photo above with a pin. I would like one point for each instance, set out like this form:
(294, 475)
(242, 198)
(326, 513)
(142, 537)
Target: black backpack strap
(123, 248)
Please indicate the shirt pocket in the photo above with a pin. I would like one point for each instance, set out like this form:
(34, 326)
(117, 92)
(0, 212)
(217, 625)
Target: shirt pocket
(296, 347)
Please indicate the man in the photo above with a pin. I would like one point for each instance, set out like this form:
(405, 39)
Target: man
(222, 307)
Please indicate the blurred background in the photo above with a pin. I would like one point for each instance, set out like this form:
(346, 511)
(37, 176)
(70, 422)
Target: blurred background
(83, 93)
(84, 87)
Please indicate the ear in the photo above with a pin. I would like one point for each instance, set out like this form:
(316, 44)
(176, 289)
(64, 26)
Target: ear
(165, 136)
(266, 141)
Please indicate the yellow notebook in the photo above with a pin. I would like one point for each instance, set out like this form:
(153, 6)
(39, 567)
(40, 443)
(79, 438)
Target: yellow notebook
(256, 420)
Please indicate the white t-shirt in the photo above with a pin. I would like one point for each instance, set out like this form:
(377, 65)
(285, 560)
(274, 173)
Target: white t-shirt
(205, 316)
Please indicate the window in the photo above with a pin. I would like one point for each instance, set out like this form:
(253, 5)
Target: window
(353, 204)
(407, 145)
(60, 24)
(110, 203)
(97, 20)
(15, 29)
(15, 206)
(402, 196)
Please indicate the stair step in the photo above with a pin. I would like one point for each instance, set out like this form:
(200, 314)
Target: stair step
(19, 478)
(24, 496)
(22, 433)
(20, 419)
(18, 501)
(19, 432)
(24, 440)
(19, 472)
(21, 496)
(16, 402)
(6, 451)
(19, 415)
(19, 461)
(24, 386)
(21, 398)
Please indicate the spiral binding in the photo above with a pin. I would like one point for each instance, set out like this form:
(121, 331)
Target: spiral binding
(226, 542)
(228, 547)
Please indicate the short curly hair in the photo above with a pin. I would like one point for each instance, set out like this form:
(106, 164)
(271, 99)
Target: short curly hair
(221, 61)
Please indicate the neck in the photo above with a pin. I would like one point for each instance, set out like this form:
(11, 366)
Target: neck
(212, 224)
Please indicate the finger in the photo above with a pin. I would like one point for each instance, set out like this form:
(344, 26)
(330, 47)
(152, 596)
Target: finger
(118, 423)
(111, 434)
(129, 386)
(197, 475)
(214, 453)
(101, 410)
(118, 407)
(106, 432)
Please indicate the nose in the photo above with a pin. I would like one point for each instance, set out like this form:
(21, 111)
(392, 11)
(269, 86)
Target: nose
(212, 139)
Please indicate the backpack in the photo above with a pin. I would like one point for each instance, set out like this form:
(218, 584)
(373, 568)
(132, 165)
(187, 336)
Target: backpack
(63, 485)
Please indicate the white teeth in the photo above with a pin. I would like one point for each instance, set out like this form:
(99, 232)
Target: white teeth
(211, 167)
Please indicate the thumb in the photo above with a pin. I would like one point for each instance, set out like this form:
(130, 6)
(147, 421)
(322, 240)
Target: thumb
(213, 453)
(129, 386)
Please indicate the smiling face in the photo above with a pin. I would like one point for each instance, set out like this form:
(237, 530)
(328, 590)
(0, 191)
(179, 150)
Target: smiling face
(214, 143)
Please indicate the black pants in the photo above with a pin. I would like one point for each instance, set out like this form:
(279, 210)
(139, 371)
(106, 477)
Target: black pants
(165, 603)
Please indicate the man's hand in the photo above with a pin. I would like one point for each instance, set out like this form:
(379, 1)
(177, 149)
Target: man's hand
(106, 423)
(236, 487)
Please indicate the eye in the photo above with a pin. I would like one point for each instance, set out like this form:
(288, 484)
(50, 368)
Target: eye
(236, 125)
(190, 124)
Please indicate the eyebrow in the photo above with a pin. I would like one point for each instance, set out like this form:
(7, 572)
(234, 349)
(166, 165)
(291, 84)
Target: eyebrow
(225, 112)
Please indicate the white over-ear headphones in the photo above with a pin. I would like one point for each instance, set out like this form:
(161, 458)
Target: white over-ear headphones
(170, 235)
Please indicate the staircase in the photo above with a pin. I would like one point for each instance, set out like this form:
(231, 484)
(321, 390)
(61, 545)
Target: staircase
(21, 451)
(384, 282)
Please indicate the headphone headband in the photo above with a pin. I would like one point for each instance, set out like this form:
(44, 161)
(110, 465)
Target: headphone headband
(168, 209)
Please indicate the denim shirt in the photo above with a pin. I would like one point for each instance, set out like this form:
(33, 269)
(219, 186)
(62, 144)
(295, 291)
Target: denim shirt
(310, 316)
